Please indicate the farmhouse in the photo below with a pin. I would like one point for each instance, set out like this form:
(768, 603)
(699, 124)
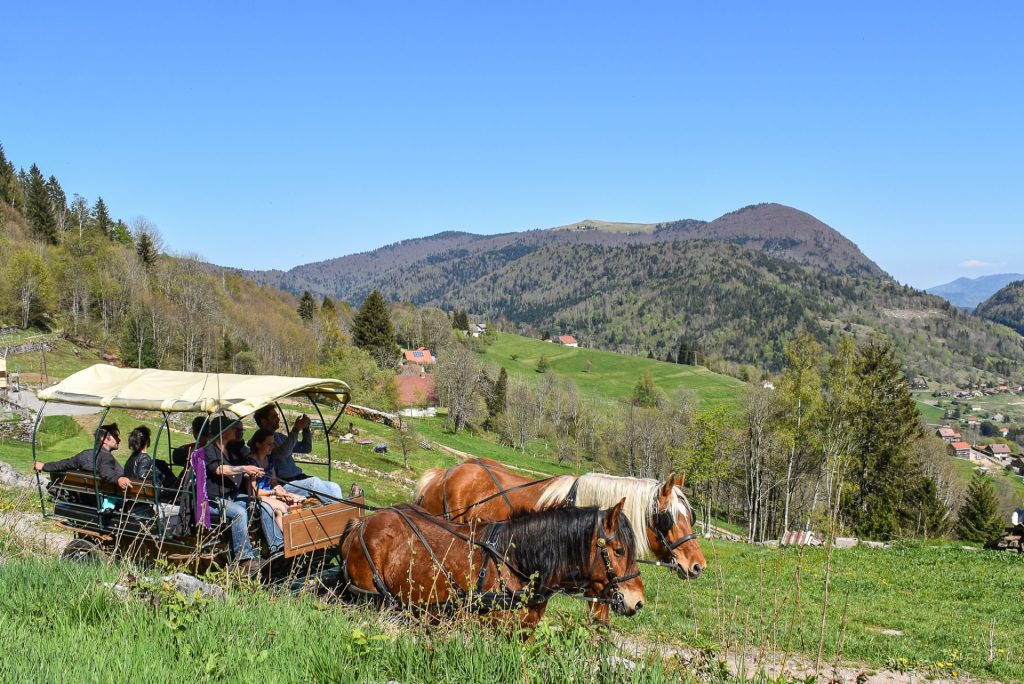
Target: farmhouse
(999, 450)
(420, 356)
(960, 449)
(948, 434)
(416, 390)
(566, 340)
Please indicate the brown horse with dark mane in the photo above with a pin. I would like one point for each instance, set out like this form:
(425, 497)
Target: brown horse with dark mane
(482, 489)
(403, 556)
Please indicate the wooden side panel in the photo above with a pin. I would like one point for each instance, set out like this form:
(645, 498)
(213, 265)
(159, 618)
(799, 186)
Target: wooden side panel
(317, 528)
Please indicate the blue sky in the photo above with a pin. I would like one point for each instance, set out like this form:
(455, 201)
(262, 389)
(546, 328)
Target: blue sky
(260, 135)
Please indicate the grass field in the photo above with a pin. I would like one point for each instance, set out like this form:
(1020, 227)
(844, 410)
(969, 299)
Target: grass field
(611, 376)
(962, 619)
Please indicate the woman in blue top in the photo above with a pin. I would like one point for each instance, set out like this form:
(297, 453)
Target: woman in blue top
(264, 488)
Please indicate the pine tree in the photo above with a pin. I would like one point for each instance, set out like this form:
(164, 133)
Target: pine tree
(460, 321)
(886, 424)
(38, 209)
(145, 248)
(307, 306)
(979, 516)
(10, 188)
(372, 330)
(101, 218)
(498, 397)
(58, 204)
(327, 307)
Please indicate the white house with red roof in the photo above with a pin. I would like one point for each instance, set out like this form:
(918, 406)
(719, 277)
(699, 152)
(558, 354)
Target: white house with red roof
(960, 449)
(566, 341)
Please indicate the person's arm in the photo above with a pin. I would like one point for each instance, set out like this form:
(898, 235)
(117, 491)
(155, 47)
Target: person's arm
(111, 471)
(305, 445)
(76, 462)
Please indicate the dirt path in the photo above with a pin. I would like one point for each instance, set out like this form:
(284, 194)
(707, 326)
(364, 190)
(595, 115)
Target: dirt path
(746, 663)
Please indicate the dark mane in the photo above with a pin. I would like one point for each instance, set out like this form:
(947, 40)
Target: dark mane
(556, 543)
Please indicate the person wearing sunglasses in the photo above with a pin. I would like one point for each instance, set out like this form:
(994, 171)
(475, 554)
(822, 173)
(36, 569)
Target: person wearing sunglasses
(108, 438)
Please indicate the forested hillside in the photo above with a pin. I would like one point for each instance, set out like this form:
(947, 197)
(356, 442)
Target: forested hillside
(107, 283)
(708, 299)
(1005, 307)
(730, 290)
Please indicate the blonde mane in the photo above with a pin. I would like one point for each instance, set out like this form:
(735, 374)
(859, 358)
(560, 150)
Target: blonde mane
(604, 491)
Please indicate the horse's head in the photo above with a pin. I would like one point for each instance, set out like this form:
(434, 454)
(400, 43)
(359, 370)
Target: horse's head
(670, 530)
(614, 575)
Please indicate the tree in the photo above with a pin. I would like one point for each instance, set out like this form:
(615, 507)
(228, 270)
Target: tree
(101, 218)
(58, 204)
(456, 377)
(800, 389)
(39, 211)
(646, 393)
(543, 364)
(979, 515)
(460, 321)
(886, 426)
(80, 209)
(307, 306)
(148, 243)
(497, 397)
(407, 437)
(28, 286)
(10, 188)
(372, 330)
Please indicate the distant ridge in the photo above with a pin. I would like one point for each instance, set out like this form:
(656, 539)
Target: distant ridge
(1006, 306)
(775, 229)
(968, 293)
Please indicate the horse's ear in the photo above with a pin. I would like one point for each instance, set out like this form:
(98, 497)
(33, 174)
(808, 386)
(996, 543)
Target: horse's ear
(666, 489)
(680, 479)
(611, 521)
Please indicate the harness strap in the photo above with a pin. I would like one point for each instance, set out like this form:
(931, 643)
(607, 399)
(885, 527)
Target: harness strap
(423, 540)
(570, 498)
(378, 582)
(503, 492)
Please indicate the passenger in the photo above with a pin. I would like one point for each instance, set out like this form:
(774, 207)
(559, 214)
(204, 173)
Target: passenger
(108, 437)
(226, 494)
(179, 456)
(270, 494)
(140, 465)
(296, 482)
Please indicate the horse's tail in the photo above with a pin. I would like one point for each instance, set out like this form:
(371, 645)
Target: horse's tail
(426, 479)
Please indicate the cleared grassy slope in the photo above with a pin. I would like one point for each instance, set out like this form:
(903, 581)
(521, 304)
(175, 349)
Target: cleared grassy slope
(610, 375)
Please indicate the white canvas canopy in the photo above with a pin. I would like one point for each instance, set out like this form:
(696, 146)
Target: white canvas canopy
(160, 390)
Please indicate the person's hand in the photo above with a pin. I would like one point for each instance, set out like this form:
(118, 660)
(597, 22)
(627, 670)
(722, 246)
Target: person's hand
(38, 465)
(302, 422)
(252, 470)
(124, 482)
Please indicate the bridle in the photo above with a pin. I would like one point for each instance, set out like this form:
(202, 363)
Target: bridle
(614, 580)
(662, 522)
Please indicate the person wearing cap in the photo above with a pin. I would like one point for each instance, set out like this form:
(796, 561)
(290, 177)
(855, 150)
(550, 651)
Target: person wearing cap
(285, 445)
(227, 494)
(99, 457)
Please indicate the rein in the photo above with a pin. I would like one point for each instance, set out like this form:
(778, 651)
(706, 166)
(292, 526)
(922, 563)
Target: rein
(491, 556)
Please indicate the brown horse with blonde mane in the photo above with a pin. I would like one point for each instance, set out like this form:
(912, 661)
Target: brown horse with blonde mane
(403, 556)
(482, 489)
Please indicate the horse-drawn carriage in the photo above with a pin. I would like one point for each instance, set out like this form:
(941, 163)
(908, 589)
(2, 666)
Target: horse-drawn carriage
(148, 520)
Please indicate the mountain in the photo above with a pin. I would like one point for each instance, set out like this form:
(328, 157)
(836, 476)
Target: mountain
(734, 289)
(1005, 307)
(967, 293)
(780, 231)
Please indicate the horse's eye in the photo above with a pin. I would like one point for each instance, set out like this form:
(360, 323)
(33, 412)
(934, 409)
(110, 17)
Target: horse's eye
(620, 552)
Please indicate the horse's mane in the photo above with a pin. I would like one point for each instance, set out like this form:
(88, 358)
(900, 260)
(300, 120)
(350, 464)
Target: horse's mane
(556, 542)
(598, 489)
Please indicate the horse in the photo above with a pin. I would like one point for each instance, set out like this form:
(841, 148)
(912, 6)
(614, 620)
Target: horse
(403, 556)
(483, 489)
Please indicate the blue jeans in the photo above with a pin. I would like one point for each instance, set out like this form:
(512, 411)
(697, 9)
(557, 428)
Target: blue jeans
(236, 511)
(325, 490)
(237, 516)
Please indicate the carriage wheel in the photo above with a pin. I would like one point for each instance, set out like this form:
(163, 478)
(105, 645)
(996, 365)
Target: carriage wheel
(83, 550)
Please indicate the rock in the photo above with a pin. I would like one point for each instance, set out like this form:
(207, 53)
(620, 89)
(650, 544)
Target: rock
(876, 545)
(846, 542)
(188, 585)
(618, 662)
(12, 478)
